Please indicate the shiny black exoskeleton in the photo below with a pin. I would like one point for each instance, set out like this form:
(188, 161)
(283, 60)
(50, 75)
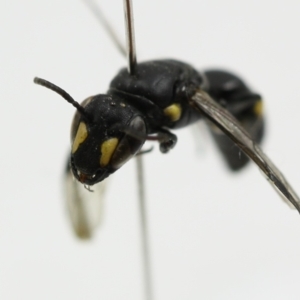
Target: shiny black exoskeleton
(151, 101)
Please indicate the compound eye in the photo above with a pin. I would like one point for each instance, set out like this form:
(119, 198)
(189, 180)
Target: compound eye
(80, 136)
(130, 144)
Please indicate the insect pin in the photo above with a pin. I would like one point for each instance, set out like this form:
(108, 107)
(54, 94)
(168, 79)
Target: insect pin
(146, 101)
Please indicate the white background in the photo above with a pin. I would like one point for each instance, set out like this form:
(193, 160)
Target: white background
(213, 235)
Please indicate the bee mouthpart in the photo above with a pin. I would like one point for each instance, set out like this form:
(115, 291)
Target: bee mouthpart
(84, 178)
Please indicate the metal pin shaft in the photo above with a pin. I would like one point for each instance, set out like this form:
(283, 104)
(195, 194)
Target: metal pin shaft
(130, 41)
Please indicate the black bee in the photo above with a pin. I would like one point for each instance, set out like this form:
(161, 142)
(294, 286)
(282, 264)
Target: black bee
(146, 101)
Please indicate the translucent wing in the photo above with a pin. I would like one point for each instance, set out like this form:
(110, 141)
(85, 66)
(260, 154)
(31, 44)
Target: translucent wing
(208, 107)
(84, 207)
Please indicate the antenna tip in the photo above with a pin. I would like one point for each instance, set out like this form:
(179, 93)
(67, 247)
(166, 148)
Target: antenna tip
(38, 80)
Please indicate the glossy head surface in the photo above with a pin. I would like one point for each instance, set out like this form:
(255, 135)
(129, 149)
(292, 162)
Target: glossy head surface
(101, 144)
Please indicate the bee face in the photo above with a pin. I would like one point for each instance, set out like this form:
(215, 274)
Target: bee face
(101, 144)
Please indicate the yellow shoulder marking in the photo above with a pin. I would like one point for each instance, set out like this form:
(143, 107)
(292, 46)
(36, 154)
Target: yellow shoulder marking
(173, 112)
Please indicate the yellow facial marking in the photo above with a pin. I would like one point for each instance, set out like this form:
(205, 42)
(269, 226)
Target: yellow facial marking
(258, 108)
(173, 112)
(107, 149)
(80, 137)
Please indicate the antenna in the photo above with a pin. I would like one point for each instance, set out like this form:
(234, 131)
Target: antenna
(130, 51)
(130, 41)
(49, 85)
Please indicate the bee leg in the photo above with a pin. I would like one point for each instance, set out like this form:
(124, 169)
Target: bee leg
(166, 139)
